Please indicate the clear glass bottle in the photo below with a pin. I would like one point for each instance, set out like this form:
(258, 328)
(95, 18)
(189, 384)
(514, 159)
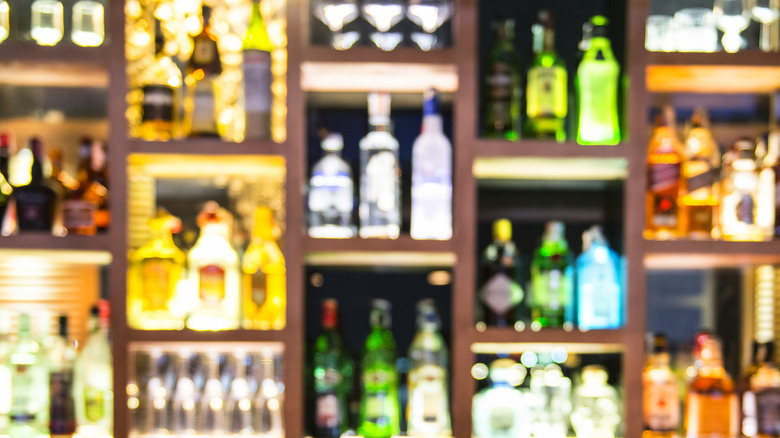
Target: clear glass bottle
(160, 84)
(203, 69)
(711, 400)
(761, 393)
(157, 396)
(664, 161)
(78, 211)
(546, 88)
(185, 395)
(238, 409)
(331, 193)
(740, 195)
(502, 91)
(700, 182)
(29, 384)
(431, 215)
(212, 399)
(501, 409)
(550, 398)
(500, 293)
(552, 279)
(60, 358)
(257, 77)
(660, 391)
(264, 276)
(599, 286)
(596, 406)
(767, 194)
(380, 175)
(93, 377)
(268, 400)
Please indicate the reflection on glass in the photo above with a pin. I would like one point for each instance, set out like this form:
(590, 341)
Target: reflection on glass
(47, 25)
(765, 12)
(732, 17)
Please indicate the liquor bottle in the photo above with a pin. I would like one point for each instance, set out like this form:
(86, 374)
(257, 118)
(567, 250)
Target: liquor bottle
(380, 182)
(710, 399)
(160, 84)
(5, 369)
(36, 201)
(595, 405)
(29, 384)
(379, 403)
(60, 358)
(331, 193)
(212, 399)
(185, 395)
(597, 89)
(546, 88)
(6, 190)
(552, 299)
(264, 277)
(268, 400)
(761, 393)
(428, 406)
(98, 190)
(333, 368)
(599, 286)
(238, 409)
(700, 185)
(431, 216)
(501, 409)
(202, 71)
(660, 389)
(550, 396)
(740, 195)
(78, 212)
(767, 194)
(155, 269)
(500, 292)
(502, 90)
(93, 377)
(664, 160)
(157, 396)
(213, 266)
(257, 77)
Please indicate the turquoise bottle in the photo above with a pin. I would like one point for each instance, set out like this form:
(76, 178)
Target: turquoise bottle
(599, 291)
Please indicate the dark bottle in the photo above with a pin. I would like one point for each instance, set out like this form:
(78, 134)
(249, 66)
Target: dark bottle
(202, 71)
(502, 92)
(79, 212)
(500, 293)
(36, 201)
(761, 393)
(62, 408)
(97, 191)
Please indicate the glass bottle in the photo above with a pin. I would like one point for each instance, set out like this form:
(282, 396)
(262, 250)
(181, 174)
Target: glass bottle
(47, 22)
(596, 406)
(428, 406)
(502, 91)
(597, 89)
(333, 368)
(6, 190)
(379, 404)
(212, 399)
(60, 358)
(500, 292)
(380, 182)
(550, 397)
(257, 77)
(93, 377)
(740, 195)
(88, 23)
(431, 215)
(331, 193)
(552, 279)
(264, 276)
(599, 286)
(268, 400)
(501, 409)
(767, 194)
(239, 400)
(36, 201)
(157, 396)
(664, 161)
(160, 82)
(213, 266)
(29, 382)
(5, 368)
(700, 184)
(660, 389)
(546, 88)
(711, 400)
(203, 69)
(185, 395)
(761, 393)
(78, 212)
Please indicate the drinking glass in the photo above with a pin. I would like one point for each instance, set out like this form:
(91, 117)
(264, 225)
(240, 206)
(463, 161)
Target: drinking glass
(659, 34)
(732, 17)
(765, 12)
(335, 14)
(87, 23)
(383, 15)
(429, 14)
(47, 22)
(695, 31)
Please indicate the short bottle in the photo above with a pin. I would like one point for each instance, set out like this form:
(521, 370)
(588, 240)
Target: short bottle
(552, 279)
(36, 202)
(93, 377)
(761, 393)
(501, 409)
(596, 406)
(740, 195)
(711, 400)
(550, 396)
(431, 216)
(546, 88)
(60, 358)
(664, 162)
(502, 90)
(700, 182)
(500, 293)
(264, 296)
(599, 286)
(257, 77)
(661, 391)
(331, 193)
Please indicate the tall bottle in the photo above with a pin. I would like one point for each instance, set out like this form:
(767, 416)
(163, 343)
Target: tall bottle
(203, 69)
(380, 175)
(36, 201)
(767, 191)
(264, 277)
(379, 403)
(502, 91)
(60, 357)
(740, 195)
(331, 193)
(431, 216)
(700, 183)
(269, 399)
(597, 89)
(333, 368)
(428, 407)
(29, 384)
(761, 393)
(599, 285)
(660, 389)
(78, 211)
(596, 407)
(552, 300)
(257, 77)
(161, 84)
(501, 410)
(214, 268)
(546, 88)
(500, 292)
(711, 400)
(664, 161)
(93, 377)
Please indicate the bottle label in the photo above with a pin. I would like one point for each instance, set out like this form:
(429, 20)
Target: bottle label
(327, 411)
(499, 82)
(204, 110)
(661, 408)
(700, 177)
(257, 81)
(157, 287)
(547, 92)
(79, 214)
(768, 411)
(427, 393)
(745, 209)
(157, 103)
(331, 191)
(212, 284)
(550, 289)
(381, 181)
(94, 404)
(502, 419)
(34, 209)
(498, 293)
(663, 177)
(61, 406)
(259, 287)
(711, 414)
(204, 52)
(377, 411)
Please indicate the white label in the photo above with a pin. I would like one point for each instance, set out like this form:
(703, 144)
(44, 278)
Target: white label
(257, 81)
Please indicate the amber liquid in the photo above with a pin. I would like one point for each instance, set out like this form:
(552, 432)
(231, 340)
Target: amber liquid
(711, 406)
(664, 162)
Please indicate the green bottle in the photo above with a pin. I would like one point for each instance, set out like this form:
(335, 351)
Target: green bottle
(257, 77)
(546, 93)
(597, 89)
(552, 303)
(502, 92)
(379, 406)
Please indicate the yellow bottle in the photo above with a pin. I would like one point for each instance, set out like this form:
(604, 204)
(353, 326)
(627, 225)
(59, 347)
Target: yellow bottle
(264, 277)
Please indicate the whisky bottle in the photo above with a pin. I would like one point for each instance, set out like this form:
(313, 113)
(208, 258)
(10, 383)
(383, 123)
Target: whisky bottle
(500, 292)
(664, 161)
(699, 183)
(331, 193)
(552, 300)
(546, 88)
(660, 389)
(711, 399)
(60, 358)
(264, 277)
(501, 409)
(36, 201)
(767, 191)
(78, 211)
(761, 393)
(257, 77)
(740, 194)
(599, 286)
(203, 69)
(502, 90)
(160, 82)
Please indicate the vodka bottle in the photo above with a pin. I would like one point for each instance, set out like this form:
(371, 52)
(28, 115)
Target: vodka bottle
(552, 279)
(93, 378)
(599, 291)
(431, 216)
(500, 292)
(184, 397)
(29, 397)
(595, 405)
(501, 410)
(60, 357)
(660, 389)
(331, 193)
(380, 182)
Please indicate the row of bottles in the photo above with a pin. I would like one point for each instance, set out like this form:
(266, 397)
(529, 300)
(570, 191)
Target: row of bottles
(212, 72)
(695, 191)
(212, 392)
(561, 292)
(43, 21)
(52, 387)
(331, 187)
(210, 287)
(542, 110)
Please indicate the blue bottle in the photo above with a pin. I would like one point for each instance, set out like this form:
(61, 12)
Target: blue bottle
(599, 287)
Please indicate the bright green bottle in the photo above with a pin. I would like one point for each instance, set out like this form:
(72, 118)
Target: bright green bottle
(546, 92)
(597, 90)
(552, 280)
(379, 406)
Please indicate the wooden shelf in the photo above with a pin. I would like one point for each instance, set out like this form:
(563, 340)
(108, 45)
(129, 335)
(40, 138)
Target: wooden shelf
(206, 146)
(188, 165)
(401, 252)
(693, 254)
(507, 340)
(63, 65)
(366, 54)
(149, 337)
(86, 249)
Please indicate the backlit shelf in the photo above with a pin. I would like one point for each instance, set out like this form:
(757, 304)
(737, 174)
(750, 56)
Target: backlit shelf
(206, 146)
(509, 341)
(202, 338)
(401, 252)
(694, 254)
(539, 166)
(74, 248)
(397, 77)
(63, 65)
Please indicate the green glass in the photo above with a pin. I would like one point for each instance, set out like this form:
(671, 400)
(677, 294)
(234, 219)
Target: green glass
(597, 90)
(552, 280)
(379, 405)
(502, 92)
(546, 88)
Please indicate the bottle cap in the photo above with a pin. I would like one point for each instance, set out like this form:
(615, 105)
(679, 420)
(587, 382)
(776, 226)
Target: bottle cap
(502, 230)
(62, 326)
(554, 230)
(599, 26)
(379, 109)
(656, 343)
(334, 142)
(430, 102)
(330, 309)
(426, 313)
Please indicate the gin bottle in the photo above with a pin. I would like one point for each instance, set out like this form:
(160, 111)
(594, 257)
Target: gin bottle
(547, 94)
(331, 193)
(93, 377)
(431, 216)
(502, 94)
(599, 291)
(29, 381)
(333, 368)
(595, 405)
(500, 293)
(552, 279)
(380, 182)
(501, 410)
(660, 389)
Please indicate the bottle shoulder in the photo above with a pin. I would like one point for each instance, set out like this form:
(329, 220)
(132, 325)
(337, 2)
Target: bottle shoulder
(379, 140)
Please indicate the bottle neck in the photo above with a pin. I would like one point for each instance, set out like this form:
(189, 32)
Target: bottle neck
(432, 123)
(548, 40)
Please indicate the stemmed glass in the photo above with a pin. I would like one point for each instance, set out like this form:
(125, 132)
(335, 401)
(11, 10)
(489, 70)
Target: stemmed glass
(335, 14)
(765, 12)
(383, 15)
(732, 17)
(429, 15)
